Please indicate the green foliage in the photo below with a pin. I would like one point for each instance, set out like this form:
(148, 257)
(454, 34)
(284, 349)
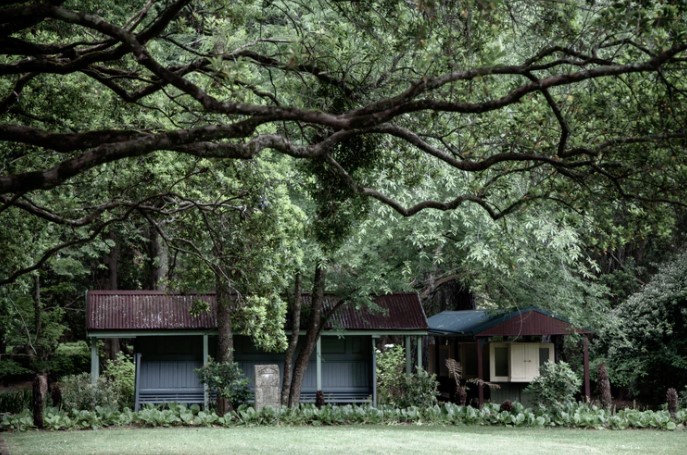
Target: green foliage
(70, 358)
(79, 394)
(18, 317)
(227, 380)
(349, 72)
(15, 401)
(9, 368)
(402, 390)
(572, 415)
(645, 351)
(17, 422)
(556, 385)
(121, 372)
(419, 389)
(390, 367)
(251, 243)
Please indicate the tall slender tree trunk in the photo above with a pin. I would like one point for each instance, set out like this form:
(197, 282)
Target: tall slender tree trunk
(314, 325)
(293, 341)
(40, 380)
(159, 255)
(37, 309)
(112, 261)
(113, 345)
(225, 335)
(40, 390)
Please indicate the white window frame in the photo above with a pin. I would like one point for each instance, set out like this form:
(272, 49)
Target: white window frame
(492, 362)
(533, 357)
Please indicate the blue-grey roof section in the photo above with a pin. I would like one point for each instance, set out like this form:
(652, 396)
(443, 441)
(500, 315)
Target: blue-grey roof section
(457, 322)
(483, 322)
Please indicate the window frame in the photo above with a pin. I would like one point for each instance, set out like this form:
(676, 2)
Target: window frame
(528, 349)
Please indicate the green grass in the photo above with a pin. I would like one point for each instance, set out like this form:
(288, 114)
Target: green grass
(348, 439)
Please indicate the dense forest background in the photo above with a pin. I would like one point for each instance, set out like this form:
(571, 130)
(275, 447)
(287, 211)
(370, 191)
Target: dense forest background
(482, 152)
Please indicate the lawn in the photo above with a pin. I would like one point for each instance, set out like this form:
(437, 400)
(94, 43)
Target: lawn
(348, 439)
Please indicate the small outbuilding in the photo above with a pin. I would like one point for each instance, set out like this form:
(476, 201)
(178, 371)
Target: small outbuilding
(503, 347)
(170, 344)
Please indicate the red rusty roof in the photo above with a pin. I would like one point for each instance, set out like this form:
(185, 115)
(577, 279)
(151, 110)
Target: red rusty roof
(396, 312)
(147, 310)
(160, 310)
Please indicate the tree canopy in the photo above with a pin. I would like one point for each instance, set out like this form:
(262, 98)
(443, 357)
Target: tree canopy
(252, 140)
(592, 92)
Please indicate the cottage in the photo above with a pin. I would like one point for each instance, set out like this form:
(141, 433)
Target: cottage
(170, 343)
(502, 347)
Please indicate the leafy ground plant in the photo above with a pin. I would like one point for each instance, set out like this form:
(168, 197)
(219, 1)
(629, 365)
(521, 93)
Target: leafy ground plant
(571, 416)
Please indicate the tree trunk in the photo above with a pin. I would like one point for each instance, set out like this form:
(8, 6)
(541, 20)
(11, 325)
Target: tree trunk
(113, 345)
(225, 336)
(293, 341)
(40, 380)
(159, 256)
(40, 389)
(604, 387)
(314, 324)
(37, 310)
(3, 343)
(112, 261)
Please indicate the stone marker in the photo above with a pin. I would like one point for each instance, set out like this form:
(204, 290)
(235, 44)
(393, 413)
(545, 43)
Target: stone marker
(266, 386)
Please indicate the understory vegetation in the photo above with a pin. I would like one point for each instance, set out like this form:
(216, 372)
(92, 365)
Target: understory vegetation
(569, 416)
(398, 389)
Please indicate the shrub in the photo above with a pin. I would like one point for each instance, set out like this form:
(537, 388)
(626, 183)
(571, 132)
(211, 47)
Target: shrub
(227, 380)
(79, 394)
(70, 358)
(10, 368)
(122, 373)
(390, 365)
(402, 390)
(683, 398)
(556, 385)
(15, 401)
(419, 389)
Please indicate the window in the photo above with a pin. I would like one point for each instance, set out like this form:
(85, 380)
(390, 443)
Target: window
(501, 361)
(468, 359)
(517, 362)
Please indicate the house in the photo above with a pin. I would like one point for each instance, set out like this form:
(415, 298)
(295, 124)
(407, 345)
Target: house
(504, 347)
(170, 343)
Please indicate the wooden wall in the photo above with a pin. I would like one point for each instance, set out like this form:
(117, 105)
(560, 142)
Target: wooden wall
(170, 362)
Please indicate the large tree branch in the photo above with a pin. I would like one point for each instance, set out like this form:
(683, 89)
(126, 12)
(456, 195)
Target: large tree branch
(52, 251)
(76, 58)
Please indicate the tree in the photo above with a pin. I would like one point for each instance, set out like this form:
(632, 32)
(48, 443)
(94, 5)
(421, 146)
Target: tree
(646, 348)
(498, 104)
(579, 96)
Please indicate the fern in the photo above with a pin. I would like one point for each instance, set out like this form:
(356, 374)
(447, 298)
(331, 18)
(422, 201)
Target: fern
(455, 371)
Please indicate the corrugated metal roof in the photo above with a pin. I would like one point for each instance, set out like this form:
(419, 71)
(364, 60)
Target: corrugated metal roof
(522, 322)
(457, 322)
(147, 310)
(397, 312)
(159, 310)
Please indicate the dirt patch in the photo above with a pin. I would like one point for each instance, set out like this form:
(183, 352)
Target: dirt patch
(3, 447)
